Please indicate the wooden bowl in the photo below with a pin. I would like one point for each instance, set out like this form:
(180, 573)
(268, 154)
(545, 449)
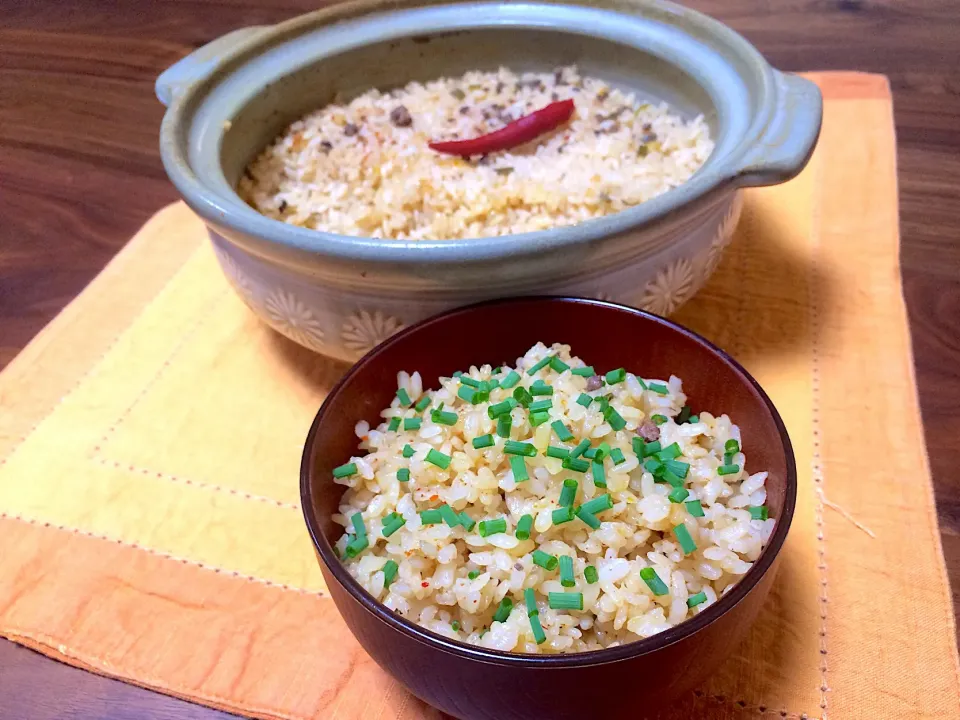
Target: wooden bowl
(471, 682)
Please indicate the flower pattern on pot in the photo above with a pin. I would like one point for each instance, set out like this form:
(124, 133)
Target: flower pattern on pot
(723, 235)
(363, 330)
(235, 275)
(669, 289)
(289, 315)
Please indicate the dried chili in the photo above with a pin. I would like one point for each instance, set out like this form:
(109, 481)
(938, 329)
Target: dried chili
(520, 131)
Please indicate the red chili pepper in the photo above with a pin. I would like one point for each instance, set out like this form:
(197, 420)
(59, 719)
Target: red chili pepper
(516, 133)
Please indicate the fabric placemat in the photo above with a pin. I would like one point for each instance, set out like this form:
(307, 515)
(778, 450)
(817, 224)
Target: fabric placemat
(150, 439)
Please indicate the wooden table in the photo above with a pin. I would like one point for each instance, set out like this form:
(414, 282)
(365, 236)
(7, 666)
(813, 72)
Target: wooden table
(80, 172)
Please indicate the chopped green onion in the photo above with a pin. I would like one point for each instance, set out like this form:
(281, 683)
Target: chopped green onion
(422, 403)
(357, 546)
(584, 371)
(638, 444)
(698, 599)
(530, 598)
(474, 397)
(603, 402)
(501, 408)
(504, 422)
(404, 398)
(590, 453)
(590, 574)
(413, 423)
(540, 405)
(511, 379)
(642, 382)
(513, 447)
(683, 537)
(539, 418)
(598, 504)
(449, 515)
(668, 476)
(484, 441)
(568, 494)
(728, 469)
(538, 634)
(557, 452)
(357, 520)
(444, 417)
(562, 515)
(694, 419)
(491, 384)
(503, 611)
(390, 569)
(470, 382)
(731, 446)
(562, 431)
(524, 525)
(614, 418)
(651, 448)
(580, 449)
(522, 396)
(658, 388)
(539, 366)
(575, 464)
(467, 521)
(584, 400)
(653, 465)
(547, 562)
(473, 574)
(458, 374)
(519, 468)
(565, 601)
(694, 508)
(455, 626)
(558, 365)
(759, 512)
(683, 416)
(653, 581)
(391, 527)
(539, 387)
(659, 419)
(345, 470)
(599, 476)
(603, 449)
(403, 474)
(615, 376)
(589, 518)
(441, 460)
(492, 527)
(728, 458)
(394, 424)
(670, 452)
(678, 494)
(680, 469)
(617, 456)
(431, 517)
(566, 572)
(408, 450)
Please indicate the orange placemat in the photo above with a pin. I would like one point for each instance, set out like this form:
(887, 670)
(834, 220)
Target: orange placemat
(150, 440)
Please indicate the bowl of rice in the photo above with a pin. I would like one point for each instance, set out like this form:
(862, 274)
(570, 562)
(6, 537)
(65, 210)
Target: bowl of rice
(373, 163)
(529, 495)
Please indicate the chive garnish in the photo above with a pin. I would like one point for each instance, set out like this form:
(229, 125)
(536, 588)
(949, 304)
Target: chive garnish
(680, 469)
(759, 512)
(566, 572)
(614, 418)
(547, 562)
(731, 446)
(530, 598)
(404, 397)
(584, 400)
(403, 474)
(455, 626)
(539, 418)
(659, 419)
(467, 521)
(540, 405)
(524, 525)
(356, 546)
(615, 376)
(728, 458)
(413, 423)
(522, 396)
(683, 416)
(562, 431)
(728, 469)
(617, 456)
(603, 449)
(394, 525)
(390, 569)
(694, 508)
(653, 581)
(394, 424)
(492, 527)
(501, 408)
(458, 374)
(638, 444)
(575, 464)
(568, 494)
(513, 447)
(345, 470)
(503, 611)
(557, 452)
(538, 634)
(565, 601)
(667, 475)
(431, 517)
(683, 537)
(511, 379)
(422, 403)
(590, 453)
(678, 494)
(408, 450)
(558, 365)
(670, 452)
(580, 449)
(598, 504)
(589, 518)
(469, 381)
(651, 448)
(562, 515)
(584, 371)
(694, 419)
(590, 574)
(358, 526)
(473, 574)
(599, 476)
(539, 387)
(653, 465)
(504, 423)
(658, 388)
(441, 460)
(474, 397)
(539, 366)
(698, 599)
(519, 468)
(449, 515)
(444, 417)
(484, 441)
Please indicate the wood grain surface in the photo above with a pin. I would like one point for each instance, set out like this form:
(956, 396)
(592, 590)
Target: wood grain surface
(80, 172)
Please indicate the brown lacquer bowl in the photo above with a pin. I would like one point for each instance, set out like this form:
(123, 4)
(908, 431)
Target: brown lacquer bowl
(628, 681)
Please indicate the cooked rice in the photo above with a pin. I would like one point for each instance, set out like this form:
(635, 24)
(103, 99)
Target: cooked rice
(432, 586)
(352, 169)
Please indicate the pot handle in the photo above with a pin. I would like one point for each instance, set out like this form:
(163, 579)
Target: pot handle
(200, 63)
(787, 142)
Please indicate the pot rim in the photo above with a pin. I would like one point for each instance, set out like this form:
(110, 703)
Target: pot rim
(645, 646)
